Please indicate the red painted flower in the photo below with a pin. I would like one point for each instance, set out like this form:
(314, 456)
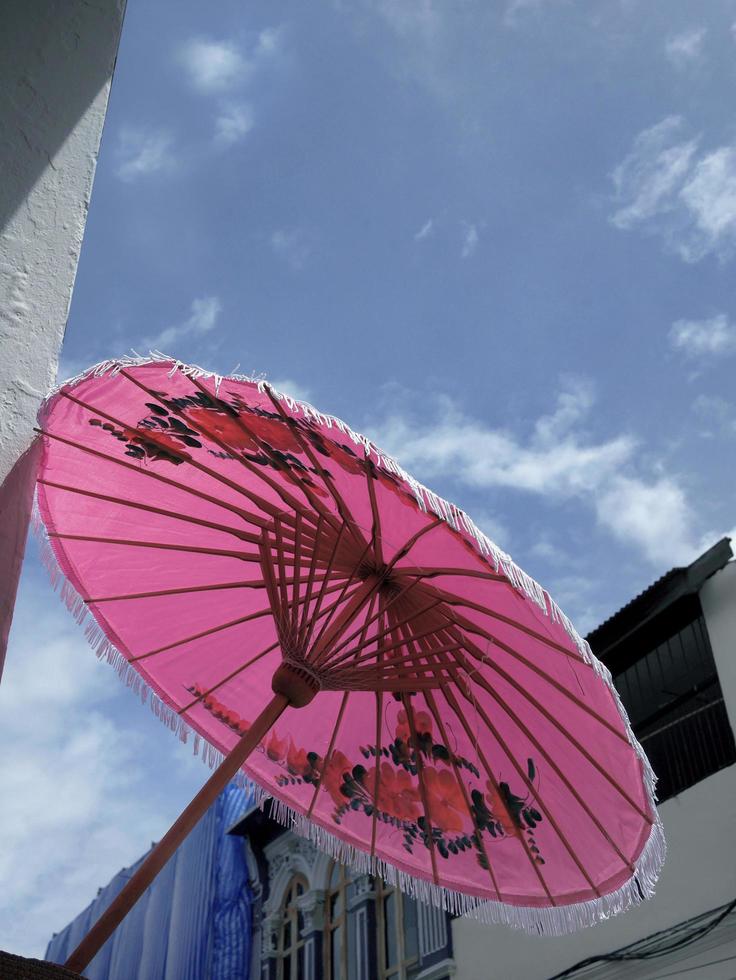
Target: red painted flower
(422, 723)
(347, 461)
(498, 808)
(398, 794)
(333, 776)
(297, 762)
(276, 747)
(222, 426)
(445, 800)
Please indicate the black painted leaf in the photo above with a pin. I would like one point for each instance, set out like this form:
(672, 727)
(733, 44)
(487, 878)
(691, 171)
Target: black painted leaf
(530, 768)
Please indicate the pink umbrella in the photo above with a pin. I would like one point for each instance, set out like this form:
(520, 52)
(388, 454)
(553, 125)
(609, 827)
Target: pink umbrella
(418, 705)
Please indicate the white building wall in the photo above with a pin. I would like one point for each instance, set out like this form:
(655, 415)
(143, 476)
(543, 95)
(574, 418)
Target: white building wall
(699, 873)
(56, 64)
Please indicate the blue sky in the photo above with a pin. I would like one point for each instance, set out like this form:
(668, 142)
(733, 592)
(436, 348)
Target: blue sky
(497, 236)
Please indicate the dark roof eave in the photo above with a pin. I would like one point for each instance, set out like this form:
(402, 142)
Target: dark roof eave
(666, 591)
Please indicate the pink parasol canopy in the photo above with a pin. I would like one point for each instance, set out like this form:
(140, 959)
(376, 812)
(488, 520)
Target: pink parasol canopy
(447, 727)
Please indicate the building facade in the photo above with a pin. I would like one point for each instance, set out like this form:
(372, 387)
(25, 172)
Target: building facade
(672, 652)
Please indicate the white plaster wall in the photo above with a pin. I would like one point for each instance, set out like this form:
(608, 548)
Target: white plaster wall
(699, 874)
(56, 64)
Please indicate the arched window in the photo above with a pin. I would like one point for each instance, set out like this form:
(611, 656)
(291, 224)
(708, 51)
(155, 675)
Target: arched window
(397, 932)
(339, 935)
(291, 945)
(394, 939)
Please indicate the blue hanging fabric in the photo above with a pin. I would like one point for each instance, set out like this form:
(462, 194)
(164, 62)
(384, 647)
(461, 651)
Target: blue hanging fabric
(193, 923)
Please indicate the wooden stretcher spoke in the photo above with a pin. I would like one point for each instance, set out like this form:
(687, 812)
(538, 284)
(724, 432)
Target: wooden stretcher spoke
(405, 589)
(414, 614)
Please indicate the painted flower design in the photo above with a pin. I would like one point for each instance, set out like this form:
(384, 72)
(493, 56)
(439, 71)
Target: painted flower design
(445, 800)
(398, 793)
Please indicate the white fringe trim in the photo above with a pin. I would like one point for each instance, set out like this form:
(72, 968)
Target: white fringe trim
(550, 921)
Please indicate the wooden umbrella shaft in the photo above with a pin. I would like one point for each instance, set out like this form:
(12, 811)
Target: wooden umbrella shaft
(158, 857)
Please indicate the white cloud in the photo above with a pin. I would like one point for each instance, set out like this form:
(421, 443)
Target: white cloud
(704, 338)
(293, 245)
(425, 231)
(212, 66)
(143, 152)
(470, 240)
(686, 48)
(717, 413)
(663, 187)
(559, 462)
(202, 320)
(233, 123)
(218, 66)
(76, 802)
(648, 177)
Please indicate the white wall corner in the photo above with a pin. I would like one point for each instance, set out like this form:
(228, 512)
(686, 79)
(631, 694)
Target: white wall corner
(56, 64)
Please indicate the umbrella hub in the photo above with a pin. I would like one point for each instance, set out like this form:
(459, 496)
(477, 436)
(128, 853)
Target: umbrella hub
(296, 683)
(384, 576)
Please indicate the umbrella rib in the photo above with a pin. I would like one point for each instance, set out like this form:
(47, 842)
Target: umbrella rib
(191, 549)
(328, 755)
(554, 683)
(229, 677)
(154, 510)
(315, 503)
(257, 583)
(429, 698)
(232, 508)
(469, 573)
(213, 474)
(342, 508)
(278, 547)
(410, 542)
(478, 655)
(406, 700)
(297, 572)
(455, 707)
(376, 530)
(320, 645)
(581, 802)
(203, 633)
(520, 771)
(454, 600)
